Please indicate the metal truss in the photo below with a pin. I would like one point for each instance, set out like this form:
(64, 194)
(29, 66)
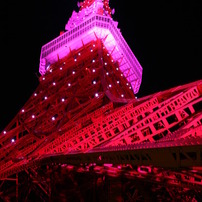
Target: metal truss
(85, 116)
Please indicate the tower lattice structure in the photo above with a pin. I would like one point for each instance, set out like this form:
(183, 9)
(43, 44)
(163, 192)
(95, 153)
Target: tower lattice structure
(83, 135)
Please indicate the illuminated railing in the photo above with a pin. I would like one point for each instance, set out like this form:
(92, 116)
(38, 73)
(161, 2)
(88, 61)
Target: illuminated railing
(74, 33)
(90, 23)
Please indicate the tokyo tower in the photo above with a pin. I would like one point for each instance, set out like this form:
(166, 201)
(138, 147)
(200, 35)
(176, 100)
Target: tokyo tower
(83, 135)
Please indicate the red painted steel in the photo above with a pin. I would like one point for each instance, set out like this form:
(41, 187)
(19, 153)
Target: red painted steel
(84, 116)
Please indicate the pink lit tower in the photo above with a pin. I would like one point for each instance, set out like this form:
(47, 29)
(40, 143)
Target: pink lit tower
(94, 23)
(83, 135)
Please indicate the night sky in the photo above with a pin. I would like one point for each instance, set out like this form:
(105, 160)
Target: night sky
(165, 36)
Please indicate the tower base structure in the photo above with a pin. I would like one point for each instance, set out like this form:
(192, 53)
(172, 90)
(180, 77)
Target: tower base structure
(147, 149)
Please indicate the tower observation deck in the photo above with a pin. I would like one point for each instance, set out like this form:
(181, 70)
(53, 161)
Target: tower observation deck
(94, 20)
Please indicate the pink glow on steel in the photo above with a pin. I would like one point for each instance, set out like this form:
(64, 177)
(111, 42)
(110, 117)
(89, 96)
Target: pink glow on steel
(90, 121)
(144, 169)
(99, 24)
(108, 164)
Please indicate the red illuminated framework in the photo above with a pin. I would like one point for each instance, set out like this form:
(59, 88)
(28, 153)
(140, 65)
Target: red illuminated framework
(84, 136)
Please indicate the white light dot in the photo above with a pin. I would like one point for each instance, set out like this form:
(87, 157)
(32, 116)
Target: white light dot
(91, 50)
(94, 82)
(93, 45)
(53, 118)
(48, 67)
(122, 95)
(4, 132)
(60, 68)
(43, 78)
(93, 61)
(73, 72)
(69, 84)
(96, 94)
(93, 70)
(105, 63)
(62, 99)
(45, 98)
(22, 110)
(117, 68)
(108, 54)
(54, 83)
(35, 94)
(127, 84)
(118, 81)
(107, 73)
(112, 60)
(33, 116)
(79, 54)
(12, 140)
(51, 70)
(121, 74)
(75, 60)
(110, 85)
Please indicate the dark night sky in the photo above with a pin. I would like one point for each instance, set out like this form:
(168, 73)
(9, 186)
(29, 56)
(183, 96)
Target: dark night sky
(165, 36)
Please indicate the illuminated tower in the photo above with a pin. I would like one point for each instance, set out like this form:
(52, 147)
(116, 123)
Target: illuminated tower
(84, 136)
(94, 22)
